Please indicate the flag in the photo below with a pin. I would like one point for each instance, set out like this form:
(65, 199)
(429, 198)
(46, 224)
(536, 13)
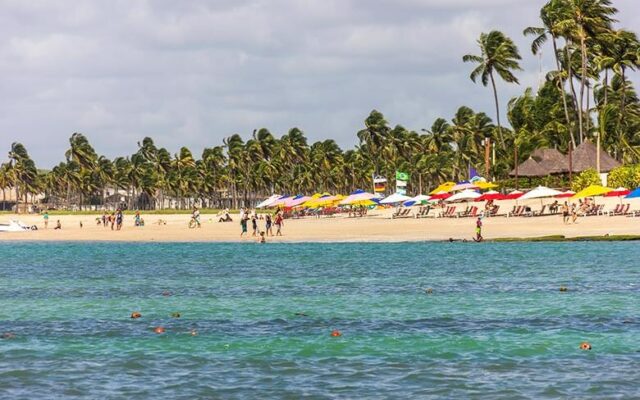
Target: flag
(472, 173)
(402, 176)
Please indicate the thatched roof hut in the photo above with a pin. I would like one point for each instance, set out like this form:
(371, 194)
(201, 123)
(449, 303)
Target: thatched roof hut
(584, 157)
(530, 168)
(551, 160)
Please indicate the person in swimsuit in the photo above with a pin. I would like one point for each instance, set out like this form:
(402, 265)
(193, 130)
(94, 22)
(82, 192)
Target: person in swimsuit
(478, 237)
(254, 224)
(267, 224)
(243, 224)
(565, 213)
(119, 218)
(262, 239)
(279, 222)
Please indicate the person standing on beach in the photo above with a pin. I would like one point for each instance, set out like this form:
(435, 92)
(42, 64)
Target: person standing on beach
(45, 216)
(105, 220)
(119, 218)
(565, 213)
(243, 223)
(279, 222)
(267, 223)
(254, 224)
(478, 237)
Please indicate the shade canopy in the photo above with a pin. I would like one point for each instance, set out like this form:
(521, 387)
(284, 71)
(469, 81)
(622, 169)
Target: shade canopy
(490, 195)
(295, 201)
(440, 195)
(516, 194)
(618, 192)
(463, 186)
(417, 200)
(539, 193)
(357, 196)
(465, 195)
(394, 198)
(634, 194)
(592, 190)
(567, 194)
(445, 187)
(267, 202)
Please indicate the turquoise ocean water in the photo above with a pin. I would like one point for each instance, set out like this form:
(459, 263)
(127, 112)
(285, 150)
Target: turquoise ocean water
(495, 325)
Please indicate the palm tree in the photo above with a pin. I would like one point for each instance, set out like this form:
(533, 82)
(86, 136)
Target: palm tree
(580, 22)
(24, 172)
(6, 181)
(499, 55)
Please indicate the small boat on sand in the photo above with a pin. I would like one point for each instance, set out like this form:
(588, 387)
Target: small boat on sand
(15, 226)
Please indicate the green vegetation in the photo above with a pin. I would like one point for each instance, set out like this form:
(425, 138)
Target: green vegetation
(584, 179)
(587, 93)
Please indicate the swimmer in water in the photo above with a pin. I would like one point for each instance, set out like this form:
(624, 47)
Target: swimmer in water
(262, 238)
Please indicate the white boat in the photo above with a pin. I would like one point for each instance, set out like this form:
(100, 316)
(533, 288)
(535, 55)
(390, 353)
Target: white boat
(14, 226)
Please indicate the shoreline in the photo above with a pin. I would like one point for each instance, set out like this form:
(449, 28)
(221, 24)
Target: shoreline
(378, 227)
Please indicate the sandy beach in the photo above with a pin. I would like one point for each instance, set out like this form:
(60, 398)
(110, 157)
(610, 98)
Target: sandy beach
(377, 226)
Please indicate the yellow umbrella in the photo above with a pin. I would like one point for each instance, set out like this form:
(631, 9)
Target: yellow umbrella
(593, 190)
(485, 185)
(445, 187)
(365, 203)
(323, 201)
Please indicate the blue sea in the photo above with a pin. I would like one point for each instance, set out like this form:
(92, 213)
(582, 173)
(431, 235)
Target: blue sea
(417, 320)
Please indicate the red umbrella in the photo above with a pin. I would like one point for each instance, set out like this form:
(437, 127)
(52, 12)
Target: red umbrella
(491, 195)
(440, 196)
(619, 192)
(565, 195)
(513, 195)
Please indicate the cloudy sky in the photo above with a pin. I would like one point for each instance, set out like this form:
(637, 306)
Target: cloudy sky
(193, 72)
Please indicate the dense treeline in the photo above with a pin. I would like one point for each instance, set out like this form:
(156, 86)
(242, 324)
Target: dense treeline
(587, 94)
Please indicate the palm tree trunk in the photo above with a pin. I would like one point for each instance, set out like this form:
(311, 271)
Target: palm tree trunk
(564, 95)
(606, 86)
(583, 78)
(495, 98)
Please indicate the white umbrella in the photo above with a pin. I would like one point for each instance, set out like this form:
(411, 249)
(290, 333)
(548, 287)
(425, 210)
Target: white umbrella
(539, 193)
(465, 195)
(394, 198)
(267, 202)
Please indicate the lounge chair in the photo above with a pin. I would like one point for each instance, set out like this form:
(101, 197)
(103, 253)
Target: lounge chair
(516, 212)
(424, 212)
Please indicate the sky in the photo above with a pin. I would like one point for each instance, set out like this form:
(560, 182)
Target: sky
(192, 73)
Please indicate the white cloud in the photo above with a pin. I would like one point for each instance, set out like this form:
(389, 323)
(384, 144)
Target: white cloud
(191, 73)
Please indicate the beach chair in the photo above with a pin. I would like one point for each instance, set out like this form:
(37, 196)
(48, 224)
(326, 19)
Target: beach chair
(493, 212)
(616, 210)
(424, 212)
(517, 210)
(625, 210)
(451, 212)
(538, 213)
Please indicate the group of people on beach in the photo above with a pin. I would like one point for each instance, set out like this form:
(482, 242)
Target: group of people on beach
(115, 220)
(269, 222)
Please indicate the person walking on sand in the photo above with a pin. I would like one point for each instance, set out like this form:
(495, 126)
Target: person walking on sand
(45, 216)
(478, 237)
(112, 220)
(279, 222)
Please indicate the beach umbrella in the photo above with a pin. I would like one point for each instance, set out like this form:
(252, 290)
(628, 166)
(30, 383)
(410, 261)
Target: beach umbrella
(592, 190)
(463, 186)
(539, 193)
(357, 196)
(516, 194)
(280, 201)
(567, 194)
(418, 200)
(618, 192)
(485, 185)
(445, 187)
(267, 202)
(465, 195)
(490, 195)
(295, 201)
(394, 198)
(634, 194)
(440, 195)
(323, 201)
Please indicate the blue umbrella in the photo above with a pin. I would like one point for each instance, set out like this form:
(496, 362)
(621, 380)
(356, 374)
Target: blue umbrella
(633, 194)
